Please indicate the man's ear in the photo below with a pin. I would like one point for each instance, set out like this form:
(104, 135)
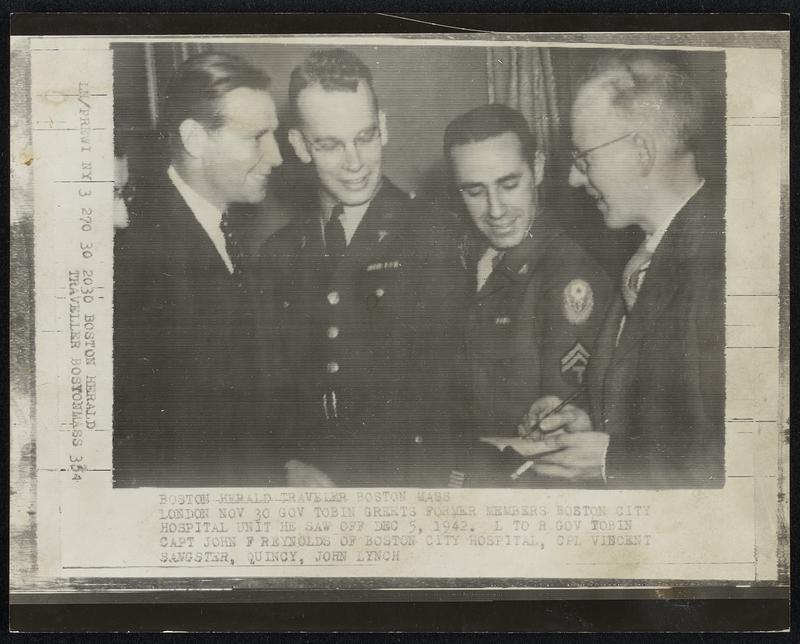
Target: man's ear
(539, 162)
(645, 151)
(299, 145)
(193, 137)
(382, 127)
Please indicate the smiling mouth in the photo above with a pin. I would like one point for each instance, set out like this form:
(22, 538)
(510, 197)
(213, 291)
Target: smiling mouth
(505, 227)
(355, 184)
(502, 230)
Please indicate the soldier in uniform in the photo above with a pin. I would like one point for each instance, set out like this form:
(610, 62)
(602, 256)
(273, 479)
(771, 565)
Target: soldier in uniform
(537, 297)
(657, 383)
(367, 286)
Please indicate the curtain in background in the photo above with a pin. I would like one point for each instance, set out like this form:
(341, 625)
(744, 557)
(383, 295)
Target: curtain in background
(141, 73)
(161, 60)
(522, 78)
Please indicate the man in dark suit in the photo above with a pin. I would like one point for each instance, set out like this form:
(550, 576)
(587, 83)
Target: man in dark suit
(657, 380)
(191, 405)
(538, 297)
(369, 283)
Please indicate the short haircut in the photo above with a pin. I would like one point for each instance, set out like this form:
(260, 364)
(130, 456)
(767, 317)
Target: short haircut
(197, 88)
(651, 88)
(486, 122)
(335, 70)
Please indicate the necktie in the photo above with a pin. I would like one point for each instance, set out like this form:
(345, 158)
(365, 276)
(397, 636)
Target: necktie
(233, 247)
(335, 241)
(634, 274)
(486, 265)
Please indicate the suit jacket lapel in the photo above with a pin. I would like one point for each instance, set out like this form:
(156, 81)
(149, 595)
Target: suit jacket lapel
(662, 281)
(605, 349)
(199, 252)
(657, 290)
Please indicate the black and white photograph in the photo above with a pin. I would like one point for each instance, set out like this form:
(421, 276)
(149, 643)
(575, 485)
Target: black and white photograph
(429, 266)
(406, 310)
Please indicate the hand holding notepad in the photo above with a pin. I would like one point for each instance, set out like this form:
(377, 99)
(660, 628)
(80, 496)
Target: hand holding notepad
(530, 444)
(522, 446)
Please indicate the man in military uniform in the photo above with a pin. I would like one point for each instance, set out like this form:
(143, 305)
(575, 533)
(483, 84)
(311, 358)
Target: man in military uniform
(657, 382)
(538, 297)
(367, 286)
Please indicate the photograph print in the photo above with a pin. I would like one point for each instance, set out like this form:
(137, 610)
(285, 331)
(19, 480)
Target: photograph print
(418, 266)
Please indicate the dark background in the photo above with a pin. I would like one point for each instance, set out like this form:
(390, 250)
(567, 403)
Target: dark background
(421, 89)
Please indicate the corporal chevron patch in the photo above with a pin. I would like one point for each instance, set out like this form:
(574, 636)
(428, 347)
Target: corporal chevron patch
(574, 363)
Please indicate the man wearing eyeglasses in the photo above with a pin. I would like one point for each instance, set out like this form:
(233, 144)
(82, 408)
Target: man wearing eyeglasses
(656, 381)
(537, 299)
(367, 285)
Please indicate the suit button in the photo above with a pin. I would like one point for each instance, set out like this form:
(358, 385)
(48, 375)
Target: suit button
(285, 304)
(332, 367)
(333, 297)
(418, 439)
(333, 332)
(379, 293)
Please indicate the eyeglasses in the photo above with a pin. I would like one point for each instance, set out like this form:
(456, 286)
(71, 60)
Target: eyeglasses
(332, 147)
(579, 158)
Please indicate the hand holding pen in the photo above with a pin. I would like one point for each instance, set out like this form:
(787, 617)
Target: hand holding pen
(541, 410)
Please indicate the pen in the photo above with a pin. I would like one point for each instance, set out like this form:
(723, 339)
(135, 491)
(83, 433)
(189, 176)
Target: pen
(522, 469)
(555, 409)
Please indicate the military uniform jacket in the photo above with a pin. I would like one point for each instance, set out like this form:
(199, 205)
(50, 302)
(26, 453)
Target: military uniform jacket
(369, 344)
(531, 328)
(530, 333)
(660, 392)
(190, 400)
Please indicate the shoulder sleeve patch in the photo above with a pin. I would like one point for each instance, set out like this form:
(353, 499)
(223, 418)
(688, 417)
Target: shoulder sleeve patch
(578, 301)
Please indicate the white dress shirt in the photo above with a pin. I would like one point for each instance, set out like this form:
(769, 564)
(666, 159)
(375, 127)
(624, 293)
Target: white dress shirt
(486, 266)
(207, 215)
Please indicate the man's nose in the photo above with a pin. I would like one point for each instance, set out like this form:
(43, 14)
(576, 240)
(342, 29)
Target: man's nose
(271, 152)
(577, 178)
(352, 157)
(496, 207)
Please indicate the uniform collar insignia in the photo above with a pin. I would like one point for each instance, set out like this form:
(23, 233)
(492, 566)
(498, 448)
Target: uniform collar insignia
(522, 260)
(381, 235)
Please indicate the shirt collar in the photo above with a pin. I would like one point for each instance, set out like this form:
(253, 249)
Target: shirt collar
(206, 214)
(351, 215)
(204, 210)
(652, 241)
(518, 263)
